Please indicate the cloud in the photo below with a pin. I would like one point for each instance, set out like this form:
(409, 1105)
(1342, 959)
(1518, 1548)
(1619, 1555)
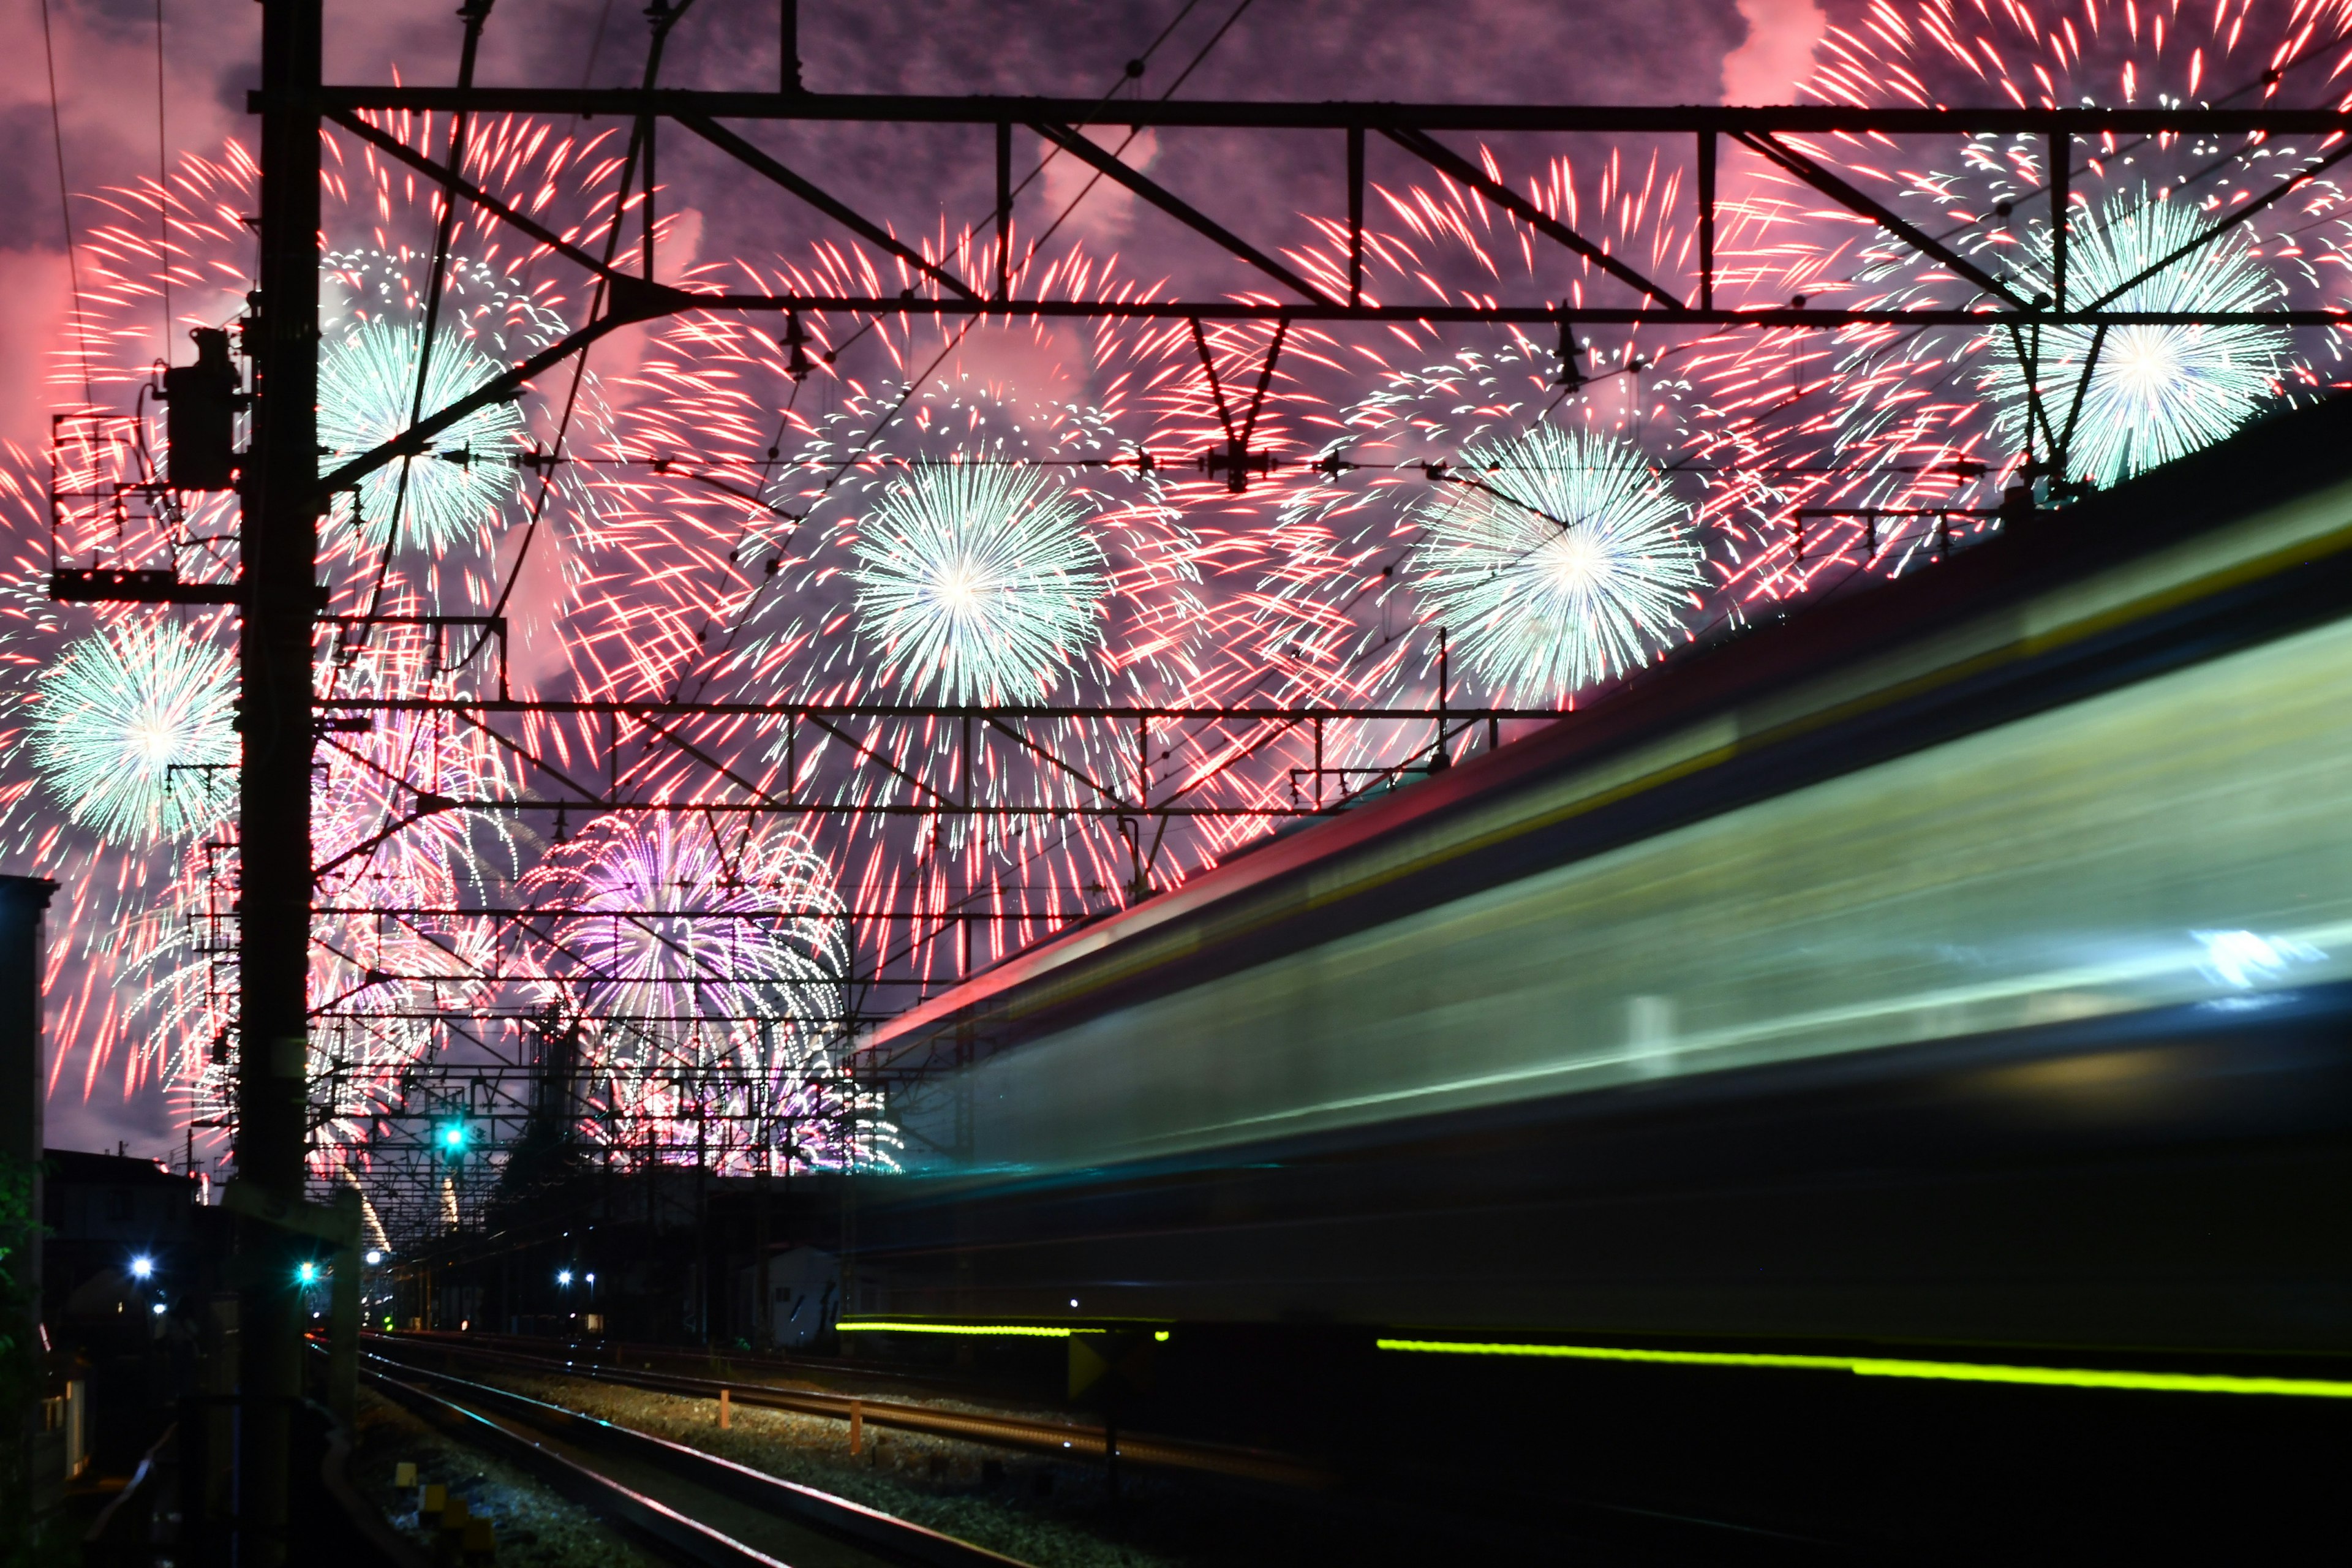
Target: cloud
(539, 657)
(1100, 210)
(1033, 367)
(33, 334)
(1778, 54)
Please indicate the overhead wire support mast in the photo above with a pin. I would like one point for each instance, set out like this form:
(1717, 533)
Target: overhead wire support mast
(281, 499)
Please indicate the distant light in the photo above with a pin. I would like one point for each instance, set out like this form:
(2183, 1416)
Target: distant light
(373, 1257)
(308, 1273)
(159, 1308)
(564, 1277)
(142, 1266)
(592, 1280)
(1073, 1301)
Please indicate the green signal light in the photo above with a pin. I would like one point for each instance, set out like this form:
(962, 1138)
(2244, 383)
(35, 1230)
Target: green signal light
(454, 1137)
(307, 1274)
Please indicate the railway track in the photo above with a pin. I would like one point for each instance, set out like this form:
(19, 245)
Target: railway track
(1065, 1439)
(822, 1373)
(693, 1507)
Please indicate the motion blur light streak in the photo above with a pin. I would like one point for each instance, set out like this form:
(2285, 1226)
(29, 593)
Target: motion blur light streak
(987, 1331)
(1877, 1366)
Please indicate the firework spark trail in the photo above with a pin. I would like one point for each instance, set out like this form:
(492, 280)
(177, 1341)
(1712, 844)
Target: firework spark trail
(143, 980)
(125, 721)
(1921, 418)
(763, 507)
(1392, 534)
(707, 971)
(1569, 562)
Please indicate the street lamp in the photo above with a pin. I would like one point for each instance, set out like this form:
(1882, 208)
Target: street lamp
(142, 1267)
(564, 1277)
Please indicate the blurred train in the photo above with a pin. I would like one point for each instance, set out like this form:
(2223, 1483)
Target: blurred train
(1964, 958)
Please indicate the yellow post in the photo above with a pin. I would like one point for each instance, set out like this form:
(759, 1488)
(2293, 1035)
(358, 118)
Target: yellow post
(856, 1428)
(725, 1413)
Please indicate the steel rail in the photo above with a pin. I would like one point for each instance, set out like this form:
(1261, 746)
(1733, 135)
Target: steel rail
(1068, 1439)
(895, 1539)
(598, 1493)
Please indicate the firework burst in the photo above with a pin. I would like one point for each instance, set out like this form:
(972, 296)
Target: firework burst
(920, 512)
(684, 939)
(1378, 544)
(1919, 419)
(128, 728)
(368, 393)
(708, 971)
(2153, 392)
(1556, 560)
(978, 582)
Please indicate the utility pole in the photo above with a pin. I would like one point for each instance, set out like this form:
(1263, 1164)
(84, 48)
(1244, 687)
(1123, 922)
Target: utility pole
(280, 506)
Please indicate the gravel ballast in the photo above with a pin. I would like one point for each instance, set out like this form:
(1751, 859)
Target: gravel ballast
(537, 1527)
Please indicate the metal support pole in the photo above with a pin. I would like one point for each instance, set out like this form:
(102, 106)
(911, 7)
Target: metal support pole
(788, 76)
(648, 127)
(1355, 215)
(344, 1326)
(763, 1338)
(1004, 209)
(2062, 173)
(1319, 763)
(1707, 220)
(1445, 678)
(279, 484)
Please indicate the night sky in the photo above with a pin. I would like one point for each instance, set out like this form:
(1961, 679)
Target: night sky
(1653, 51)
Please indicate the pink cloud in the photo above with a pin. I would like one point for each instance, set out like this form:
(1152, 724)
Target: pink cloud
(1778, 51)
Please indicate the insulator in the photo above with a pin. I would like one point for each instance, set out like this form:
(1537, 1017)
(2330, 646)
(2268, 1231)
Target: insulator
(1569, 377)
(796, 345)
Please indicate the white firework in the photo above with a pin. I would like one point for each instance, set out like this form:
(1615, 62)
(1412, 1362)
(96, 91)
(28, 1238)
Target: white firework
(470, 477)
(979, 581)
(1555, 559)
(132, 731)
(2156, 392)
